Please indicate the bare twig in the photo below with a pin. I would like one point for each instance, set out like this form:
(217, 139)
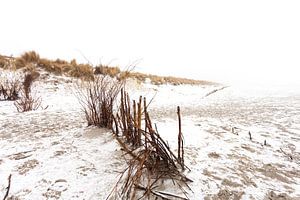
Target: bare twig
(7, 188)
(180, 141)
(287, 154)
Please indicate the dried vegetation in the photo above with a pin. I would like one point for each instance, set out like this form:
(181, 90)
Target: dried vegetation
(28, 101)
(151, 163)
(97, 98)
(31, 60)
(10, 87)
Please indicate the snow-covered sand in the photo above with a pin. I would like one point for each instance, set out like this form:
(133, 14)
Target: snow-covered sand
(52, 154)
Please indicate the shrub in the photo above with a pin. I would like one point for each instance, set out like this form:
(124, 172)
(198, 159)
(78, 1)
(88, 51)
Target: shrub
(27, 101)
(97, 98)
(9, 86)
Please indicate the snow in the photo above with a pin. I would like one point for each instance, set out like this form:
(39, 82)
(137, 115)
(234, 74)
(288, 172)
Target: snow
(52, 154)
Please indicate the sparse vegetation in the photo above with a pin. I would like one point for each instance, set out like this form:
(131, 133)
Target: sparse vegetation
(27, 100)
(151, 164)
(50, 66)
(10, 86)
(97, 98)
(31, 61)
(31, 57)
(151, 160)
(81, 71)
(4, 62)
(59, 67)
(106, 70)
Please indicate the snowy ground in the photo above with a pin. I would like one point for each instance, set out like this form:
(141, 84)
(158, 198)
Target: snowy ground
(52, 154)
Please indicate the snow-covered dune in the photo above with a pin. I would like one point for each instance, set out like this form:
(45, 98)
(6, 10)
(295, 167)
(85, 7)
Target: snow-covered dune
(52, 154)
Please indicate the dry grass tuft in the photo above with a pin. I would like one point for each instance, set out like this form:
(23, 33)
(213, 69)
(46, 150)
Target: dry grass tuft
(106, 70)
(59, 67)
(30, 57)
(20, 63)
(82, 71)
(25, 59)
(59, 61)
(139, 76)
(50, 66)
(4, 62)
(27, 101)
(28, 80)
(97, 98)
(157, 80)
(66, 68)
(123, 75)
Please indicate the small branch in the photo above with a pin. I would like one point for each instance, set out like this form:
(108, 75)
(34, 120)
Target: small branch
(215, 90)
(289, 155)
(163, 195)
(8, 187)
(180, 140)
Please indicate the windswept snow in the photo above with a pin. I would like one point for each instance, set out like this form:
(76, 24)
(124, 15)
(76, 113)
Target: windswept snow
(52, 154)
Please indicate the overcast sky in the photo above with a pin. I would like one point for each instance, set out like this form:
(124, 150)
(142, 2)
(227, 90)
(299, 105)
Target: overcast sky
(219, 40)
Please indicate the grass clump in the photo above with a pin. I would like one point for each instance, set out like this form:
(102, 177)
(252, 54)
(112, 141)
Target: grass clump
(30, 61)
(82, 71)
(97, 98)
(50, 66)
(4, 62)
(27, 100)
(20, 63)
(27, 58)
(30, 57)
(106, 70)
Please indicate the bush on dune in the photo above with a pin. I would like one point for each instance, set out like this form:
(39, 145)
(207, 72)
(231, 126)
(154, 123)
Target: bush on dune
(27, 100)
(10, 87)
(97, 98)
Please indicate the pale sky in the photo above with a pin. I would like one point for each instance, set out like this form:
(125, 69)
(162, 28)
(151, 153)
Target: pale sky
(229, 41)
